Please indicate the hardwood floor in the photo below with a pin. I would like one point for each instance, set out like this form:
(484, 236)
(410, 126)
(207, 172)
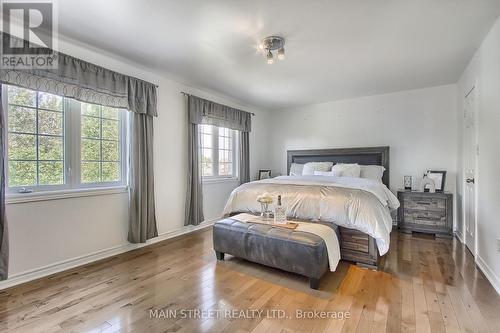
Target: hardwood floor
(424, 285)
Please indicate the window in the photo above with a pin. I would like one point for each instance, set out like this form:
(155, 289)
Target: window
(35, 138)
(100, 142)
(218, 152)
(60, 143)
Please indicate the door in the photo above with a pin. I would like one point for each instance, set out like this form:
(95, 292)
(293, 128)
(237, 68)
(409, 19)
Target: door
(471, 149)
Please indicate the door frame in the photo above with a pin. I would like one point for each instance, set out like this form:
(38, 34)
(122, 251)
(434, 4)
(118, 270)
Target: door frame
(472, 88)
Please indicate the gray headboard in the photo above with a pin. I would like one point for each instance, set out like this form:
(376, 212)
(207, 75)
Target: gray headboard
(362, 155)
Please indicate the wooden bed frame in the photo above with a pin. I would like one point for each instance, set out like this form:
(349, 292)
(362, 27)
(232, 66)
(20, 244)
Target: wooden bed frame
(355, 245)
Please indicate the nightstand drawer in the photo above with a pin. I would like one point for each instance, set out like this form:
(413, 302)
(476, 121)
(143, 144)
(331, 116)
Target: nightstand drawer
(424, 203)
(425, 218)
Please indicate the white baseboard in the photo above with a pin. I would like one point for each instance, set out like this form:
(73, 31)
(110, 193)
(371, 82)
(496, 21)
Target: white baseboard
(460, 236)
(57, 267)
(483, 266)
(488, 272)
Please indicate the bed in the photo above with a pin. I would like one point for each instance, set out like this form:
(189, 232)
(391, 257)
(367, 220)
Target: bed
(360, 207)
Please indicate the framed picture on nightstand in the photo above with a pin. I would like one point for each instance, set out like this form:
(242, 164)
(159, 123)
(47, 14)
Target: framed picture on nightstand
(438, 177)
(264, 174)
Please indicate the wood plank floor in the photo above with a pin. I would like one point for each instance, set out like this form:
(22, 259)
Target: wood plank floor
(423, 285)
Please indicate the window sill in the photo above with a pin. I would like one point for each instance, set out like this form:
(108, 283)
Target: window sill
(220, 180)
(62, 194)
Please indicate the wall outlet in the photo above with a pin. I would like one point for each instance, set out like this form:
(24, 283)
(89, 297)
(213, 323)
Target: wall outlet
(498, 244)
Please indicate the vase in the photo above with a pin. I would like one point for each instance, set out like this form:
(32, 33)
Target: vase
(265, 213)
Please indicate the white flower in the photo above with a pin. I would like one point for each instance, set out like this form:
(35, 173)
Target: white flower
(265, 198)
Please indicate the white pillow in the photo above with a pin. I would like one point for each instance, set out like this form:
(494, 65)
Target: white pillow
(374, 172)
(347, 170)
(296, 169)
(310, 167)
(327, 173)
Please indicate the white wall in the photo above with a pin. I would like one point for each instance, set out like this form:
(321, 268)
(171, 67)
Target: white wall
(49, 232)
(484, 69)
(418, 125)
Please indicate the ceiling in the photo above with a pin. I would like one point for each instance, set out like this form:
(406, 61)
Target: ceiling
(334, 49)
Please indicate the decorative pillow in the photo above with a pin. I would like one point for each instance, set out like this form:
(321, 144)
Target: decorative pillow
(296, 169)
(327, 173)
(347, 170)
(374, 172)
(310, 167)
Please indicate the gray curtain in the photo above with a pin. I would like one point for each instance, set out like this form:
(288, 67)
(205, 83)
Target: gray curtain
(194, 195)
(202, 111)
(141, 97)
(244, 157)
(4, 240)
(86, 82)
(142, 219)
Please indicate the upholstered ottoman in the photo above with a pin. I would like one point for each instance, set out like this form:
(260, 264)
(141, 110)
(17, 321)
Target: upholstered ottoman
(293, 251)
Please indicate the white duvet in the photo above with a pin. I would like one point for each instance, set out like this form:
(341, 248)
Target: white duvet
(355, 203)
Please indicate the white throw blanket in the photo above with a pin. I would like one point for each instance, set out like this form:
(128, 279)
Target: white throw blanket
(327, 233)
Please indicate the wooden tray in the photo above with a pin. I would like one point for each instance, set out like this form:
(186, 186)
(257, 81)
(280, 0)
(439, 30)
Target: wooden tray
(248, 218)
(288, 225)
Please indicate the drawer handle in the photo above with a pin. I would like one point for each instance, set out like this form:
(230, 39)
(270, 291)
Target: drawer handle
(423, 203)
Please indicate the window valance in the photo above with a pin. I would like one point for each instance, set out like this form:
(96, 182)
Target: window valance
(202, 111)
(86, 82)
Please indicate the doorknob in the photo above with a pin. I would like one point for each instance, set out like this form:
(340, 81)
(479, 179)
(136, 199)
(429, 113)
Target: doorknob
(470, 180)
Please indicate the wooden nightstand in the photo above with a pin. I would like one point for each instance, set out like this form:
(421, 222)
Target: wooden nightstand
(426, 212)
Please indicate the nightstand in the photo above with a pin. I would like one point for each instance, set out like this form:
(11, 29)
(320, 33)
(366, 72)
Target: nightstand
(426, 212)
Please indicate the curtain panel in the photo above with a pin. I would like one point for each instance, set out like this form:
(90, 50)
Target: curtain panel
(4, 239)
(244, 157)
(202, 111)
(142, 219)
(86, 82)
(194, 195)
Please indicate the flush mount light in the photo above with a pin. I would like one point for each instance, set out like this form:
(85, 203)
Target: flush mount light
(273, 43)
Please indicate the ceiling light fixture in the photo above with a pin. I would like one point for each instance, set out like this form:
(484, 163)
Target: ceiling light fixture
(281, 53)
(273, 43)
(269, 57)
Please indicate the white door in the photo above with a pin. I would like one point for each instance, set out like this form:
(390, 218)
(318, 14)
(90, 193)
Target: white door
(471, 150)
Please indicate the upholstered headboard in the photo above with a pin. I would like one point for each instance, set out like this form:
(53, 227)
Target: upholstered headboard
(362, 155)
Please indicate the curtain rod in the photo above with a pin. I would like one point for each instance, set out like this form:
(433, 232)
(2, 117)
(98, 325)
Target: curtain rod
(187, 94)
